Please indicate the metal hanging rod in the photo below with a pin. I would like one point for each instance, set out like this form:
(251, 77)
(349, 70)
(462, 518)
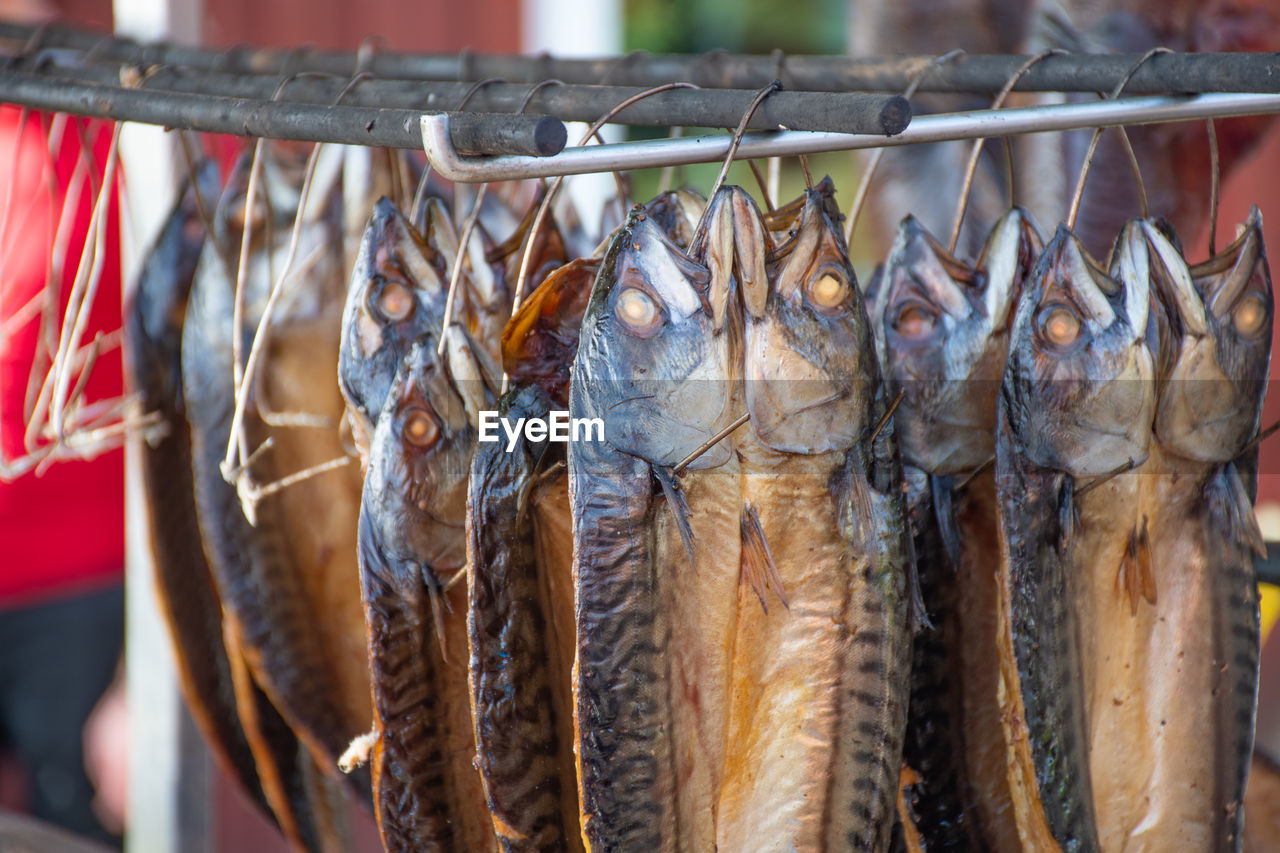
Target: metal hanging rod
(930, 128)
(843, 112)
(390, 128)
(983, 74)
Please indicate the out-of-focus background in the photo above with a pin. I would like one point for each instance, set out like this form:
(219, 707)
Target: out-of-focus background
(615, 27)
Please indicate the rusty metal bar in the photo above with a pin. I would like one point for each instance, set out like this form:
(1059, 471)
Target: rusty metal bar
(1169, 73)
(840, 112)
(478, 133)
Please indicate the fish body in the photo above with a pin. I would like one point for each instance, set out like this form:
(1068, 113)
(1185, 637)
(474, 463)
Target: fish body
(1077, 400)
(188, 596)
(1177, 594)
(282, 681)
(943, 330)
(652, 368)
(427, 793)
(819, 685)
(520, 591)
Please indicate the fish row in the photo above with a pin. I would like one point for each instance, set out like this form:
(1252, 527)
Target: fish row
(1090, 679)
(653, 649)
(928, 568)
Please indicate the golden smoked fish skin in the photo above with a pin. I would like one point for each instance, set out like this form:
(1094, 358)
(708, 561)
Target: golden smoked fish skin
(1174, 592)
(820, 685)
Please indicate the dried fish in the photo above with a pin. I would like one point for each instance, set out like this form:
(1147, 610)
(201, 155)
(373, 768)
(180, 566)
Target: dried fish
(652, 369)
(520, 597)
(266, 614)
(187, 594)
(427, 793)
(819, 689)
(944, 327)
(1077, 401)
(1175, 601)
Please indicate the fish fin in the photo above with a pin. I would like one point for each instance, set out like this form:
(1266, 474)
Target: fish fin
(1232, 510)
(438, 605)
(464, 361)
(1146, 570)
(719, 253)
(757, 566)
(751, 245)
(945, 512)
(679, 509)
(1129, 578)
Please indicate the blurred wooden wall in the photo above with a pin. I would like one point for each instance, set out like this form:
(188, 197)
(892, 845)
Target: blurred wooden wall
(427, 25)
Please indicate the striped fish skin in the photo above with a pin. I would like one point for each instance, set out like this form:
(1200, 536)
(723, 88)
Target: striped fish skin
(517, 733)
(412, 540)
(651, 367)
(520, 588)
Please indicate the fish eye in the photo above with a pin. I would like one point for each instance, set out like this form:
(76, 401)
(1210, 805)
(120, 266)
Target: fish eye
(1059, 325)
(393, 302)
(828, 288)
(637, 310)
(420, 429)
(915, 321)
(1249, 316)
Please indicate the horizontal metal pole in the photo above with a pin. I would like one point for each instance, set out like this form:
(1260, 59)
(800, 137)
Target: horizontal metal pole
(1180, 72)
(843, 112)
(930, 128)
(392, 128)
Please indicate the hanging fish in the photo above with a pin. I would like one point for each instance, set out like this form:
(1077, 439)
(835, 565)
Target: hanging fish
(1076, 403)
(187, 594)
(652, 369)
(1175, 600)
(397, 287)
(944, 331)
(427, 793)
(283, 681)
(520, 598)
(819, 686)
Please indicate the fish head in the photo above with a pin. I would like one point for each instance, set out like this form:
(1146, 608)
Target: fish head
(945, 327)
(1079, 386)
(677, 212)
(650, 363)
(809, 361)
(540, 341)
(1222, 309)
(416, 483)
(396, 295)
(547, 252)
